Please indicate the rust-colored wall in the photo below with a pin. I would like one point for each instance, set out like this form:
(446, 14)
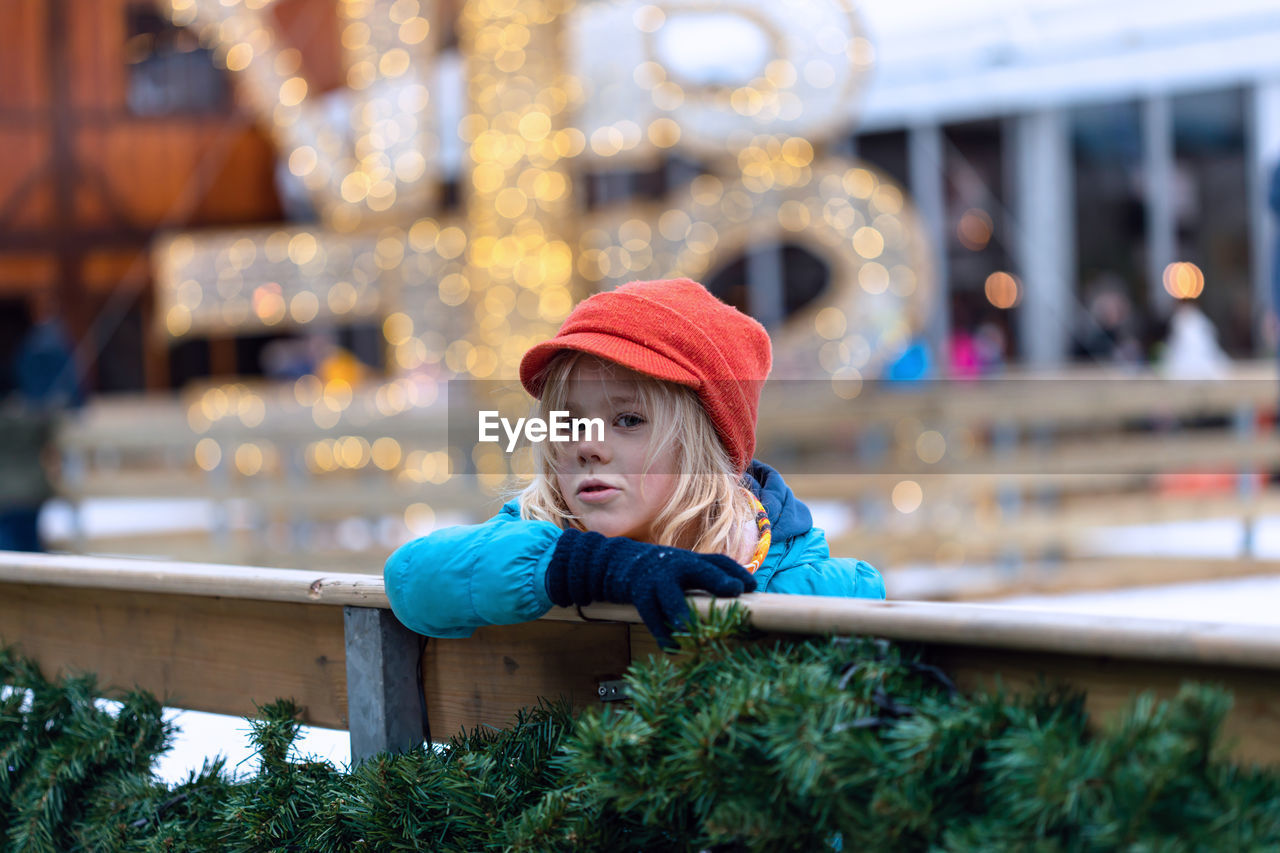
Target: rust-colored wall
(63, 115)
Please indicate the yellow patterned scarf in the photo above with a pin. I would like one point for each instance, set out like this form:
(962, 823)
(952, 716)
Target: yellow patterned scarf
(766, 533)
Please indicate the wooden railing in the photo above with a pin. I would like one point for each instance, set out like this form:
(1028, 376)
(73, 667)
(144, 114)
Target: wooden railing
(286, 510)
(222, 638)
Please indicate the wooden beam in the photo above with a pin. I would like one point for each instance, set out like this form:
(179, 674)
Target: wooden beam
(1167, 640)
(220, 638)
(336, 494)
(486, 678)
(1252, 728)
(970, 583)
(229, 655)
(1164, 641)
(220, 655)
(1202, 450)
(243, 583)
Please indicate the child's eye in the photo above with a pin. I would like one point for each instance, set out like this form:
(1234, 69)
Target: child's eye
(628, 420)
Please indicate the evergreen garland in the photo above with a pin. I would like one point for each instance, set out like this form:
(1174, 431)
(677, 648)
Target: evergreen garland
(738, 744)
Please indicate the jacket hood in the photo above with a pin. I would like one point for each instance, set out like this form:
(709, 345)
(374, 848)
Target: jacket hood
(787, 514)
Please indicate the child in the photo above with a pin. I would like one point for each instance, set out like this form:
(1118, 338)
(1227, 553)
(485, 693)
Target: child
(668, 499)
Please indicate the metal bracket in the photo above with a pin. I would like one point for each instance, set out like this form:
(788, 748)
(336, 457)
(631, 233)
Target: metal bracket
(613, 691)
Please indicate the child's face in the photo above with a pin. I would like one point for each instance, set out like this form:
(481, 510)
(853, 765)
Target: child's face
(602, 480)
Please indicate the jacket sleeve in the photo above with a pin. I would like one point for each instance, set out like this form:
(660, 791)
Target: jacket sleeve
(806, 567)
(456, 579)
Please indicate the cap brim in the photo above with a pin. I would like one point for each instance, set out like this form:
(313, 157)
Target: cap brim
(630, 354)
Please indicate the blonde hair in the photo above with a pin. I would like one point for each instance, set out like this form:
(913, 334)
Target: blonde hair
(708, 508)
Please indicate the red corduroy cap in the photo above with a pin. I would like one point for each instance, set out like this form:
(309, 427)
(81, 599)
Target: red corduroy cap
(672, 329)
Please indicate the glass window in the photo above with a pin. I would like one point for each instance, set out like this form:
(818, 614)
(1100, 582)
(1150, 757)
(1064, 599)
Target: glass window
(1115, 320)
(805, 277)
(1211, 209)
(169, 72)
(978, 247)
(886, 151)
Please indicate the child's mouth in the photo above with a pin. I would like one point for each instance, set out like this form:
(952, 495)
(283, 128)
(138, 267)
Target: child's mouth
(596, 492)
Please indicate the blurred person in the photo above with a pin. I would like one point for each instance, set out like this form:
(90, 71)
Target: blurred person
(963, 361)
(913, 364)
(46, 381)
(287, 359)
(1108, 333)
(989, 347)
(1191, 350)
(45, 372)
(24, 481)
(331, 361)
(342, 364)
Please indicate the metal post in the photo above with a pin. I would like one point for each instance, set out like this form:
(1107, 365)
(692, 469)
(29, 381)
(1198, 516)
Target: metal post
(925, 168)
(1004, 444)
(75, 465)
(1044, 237)
(845, 146)
(766, 280)
(296, 476)
(384, 706)
(1263, 151)
(1158, 171)
(219, 480)
(1246, 427)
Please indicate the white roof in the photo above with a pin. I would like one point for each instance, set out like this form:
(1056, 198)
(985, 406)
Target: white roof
(942, 59)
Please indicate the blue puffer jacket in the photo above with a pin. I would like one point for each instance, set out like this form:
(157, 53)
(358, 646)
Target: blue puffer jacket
(457, 579)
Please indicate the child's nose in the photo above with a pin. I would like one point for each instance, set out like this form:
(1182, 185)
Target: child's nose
(594, 450)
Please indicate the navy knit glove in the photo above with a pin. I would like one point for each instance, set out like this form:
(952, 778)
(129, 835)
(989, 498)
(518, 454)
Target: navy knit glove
(589, 567)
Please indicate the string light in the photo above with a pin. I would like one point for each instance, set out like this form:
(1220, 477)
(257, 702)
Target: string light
(467, 294)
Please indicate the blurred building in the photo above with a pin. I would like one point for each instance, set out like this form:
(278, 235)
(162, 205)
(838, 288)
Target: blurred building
(115, 126)
(1086, 146)
(1063, 153)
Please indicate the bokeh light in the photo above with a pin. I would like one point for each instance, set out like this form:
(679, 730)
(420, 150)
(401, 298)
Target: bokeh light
(974, 229)
(1002, 290)
(1183, 280)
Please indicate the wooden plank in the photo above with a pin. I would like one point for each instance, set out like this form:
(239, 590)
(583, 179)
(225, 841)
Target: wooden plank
(186, 546)
(1081, 397)
(1201, 450)
(199, 579)
(200, 546)
(223, 655)
(1165, 641)
(341, 497)
(1252, 729)
(132, 483)
(1251, 732)
(643, 645)
(982, 583)
(485, 679)
(204, 653)
(1168, 640)
(955, 487)
(1146, 508)
(1074, 528)
(109, 425)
